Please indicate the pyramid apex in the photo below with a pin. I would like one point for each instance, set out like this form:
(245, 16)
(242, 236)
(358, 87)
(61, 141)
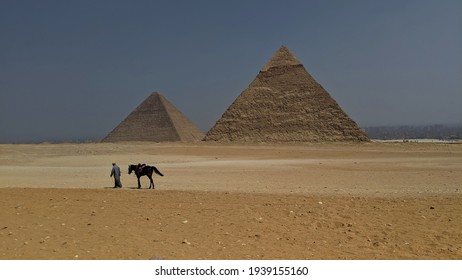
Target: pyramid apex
(155, 97)
(282, 57)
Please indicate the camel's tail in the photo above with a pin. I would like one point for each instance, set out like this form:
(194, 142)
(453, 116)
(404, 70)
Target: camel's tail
(157, 171)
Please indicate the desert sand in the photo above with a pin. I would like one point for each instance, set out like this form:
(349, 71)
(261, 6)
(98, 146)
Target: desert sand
(217, 201)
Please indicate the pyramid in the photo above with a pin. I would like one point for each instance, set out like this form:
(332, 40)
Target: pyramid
(156, 120)
(284, 103)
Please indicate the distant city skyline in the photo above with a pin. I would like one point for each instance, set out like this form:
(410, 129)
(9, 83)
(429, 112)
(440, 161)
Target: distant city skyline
(73, 71)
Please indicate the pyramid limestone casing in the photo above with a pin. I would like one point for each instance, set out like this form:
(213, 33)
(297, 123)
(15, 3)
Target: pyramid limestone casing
(285, 104)
(156, 120)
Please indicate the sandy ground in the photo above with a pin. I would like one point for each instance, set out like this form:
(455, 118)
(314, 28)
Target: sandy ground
(319, 201)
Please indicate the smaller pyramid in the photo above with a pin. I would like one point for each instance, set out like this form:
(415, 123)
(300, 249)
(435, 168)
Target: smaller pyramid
(155, 120)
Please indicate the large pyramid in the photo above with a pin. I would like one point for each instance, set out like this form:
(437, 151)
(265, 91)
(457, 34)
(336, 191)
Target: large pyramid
(285, 104)
(156, 120)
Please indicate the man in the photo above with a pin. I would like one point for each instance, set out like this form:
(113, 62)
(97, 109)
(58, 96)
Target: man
(116, 173)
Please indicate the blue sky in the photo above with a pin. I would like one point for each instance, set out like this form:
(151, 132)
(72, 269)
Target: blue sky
(73, 70)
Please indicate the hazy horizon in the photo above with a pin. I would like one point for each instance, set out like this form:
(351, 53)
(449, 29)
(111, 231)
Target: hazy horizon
(74, 71)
